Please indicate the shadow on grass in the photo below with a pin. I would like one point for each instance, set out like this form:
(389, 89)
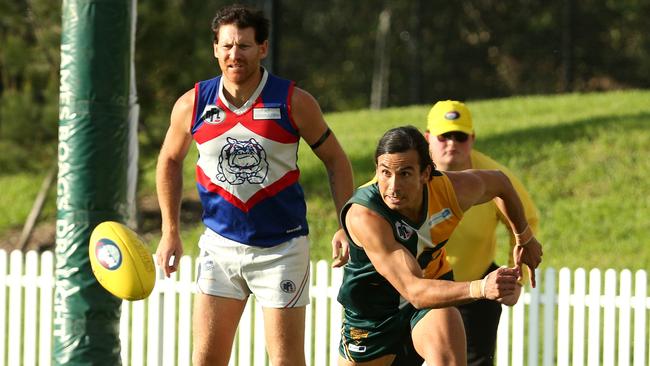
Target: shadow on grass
(512, 144)
(504, 146)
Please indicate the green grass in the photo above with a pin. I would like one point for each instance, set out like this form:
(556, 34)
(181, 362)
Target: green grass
(17, 195)
(583, 158)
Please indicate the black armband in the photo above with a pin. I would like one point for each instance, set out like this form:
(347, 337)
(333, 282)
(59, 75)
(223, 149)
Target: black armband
(322, 139)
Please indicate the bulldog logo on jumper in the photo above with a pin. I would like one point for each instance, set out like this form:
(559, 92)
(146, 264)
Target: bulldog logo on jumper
(242, 161)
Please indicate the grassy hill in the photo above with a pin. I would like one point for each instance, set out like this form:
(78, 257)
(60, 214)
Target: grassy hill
(583, 158)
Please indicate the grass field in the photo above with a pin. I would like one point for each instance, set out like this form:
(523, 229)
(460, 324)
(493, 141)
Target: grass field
(583, 158)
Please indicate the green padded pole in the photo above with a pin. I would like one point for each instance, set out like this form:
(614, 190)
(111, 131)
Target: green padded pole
(93, 180)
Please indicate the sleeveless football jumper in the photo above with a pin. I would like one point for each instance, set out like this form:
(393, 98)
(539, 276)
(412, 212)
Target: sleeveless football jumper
(376, 318)
(247, 172)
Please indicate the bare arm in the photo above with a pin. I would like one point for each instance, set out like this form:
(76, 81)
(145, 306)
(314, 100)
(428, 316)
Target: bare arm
(478, 186)
(169, 182)
(311, 124)
(393, 261)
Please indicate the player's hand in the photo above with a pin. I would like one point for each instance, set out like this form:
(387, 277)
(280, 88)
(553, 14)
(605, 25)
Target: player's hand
(511, 300)
(502, 284)
(169, 252)
(340, 249)
(529, 254)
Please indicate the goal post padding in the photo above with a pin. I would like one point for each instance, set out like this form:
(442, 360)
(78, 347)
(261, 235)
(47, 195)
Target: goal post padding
(93, 180)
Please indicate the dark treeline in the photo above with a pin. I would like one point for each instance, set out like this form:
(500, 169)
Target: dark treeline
(464, 49)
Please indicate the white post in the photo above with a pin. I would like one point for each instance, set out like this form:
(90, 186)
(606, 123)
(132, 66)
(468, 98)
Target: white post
(46, 282)
(549, 318)
(15, 307)
(533, 322)
(609, 319)
(624, 317)
(563, 309)
(593, 300)
(579, 291)
(641, 284)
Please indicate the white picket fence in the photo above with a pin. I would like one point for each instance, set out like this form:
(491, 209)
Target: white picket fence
(568, 320)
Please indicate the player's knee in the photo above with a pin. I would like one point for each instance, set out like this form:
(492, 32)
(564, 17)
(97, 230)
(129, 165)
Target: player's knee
(202, 357)
(447, 358)
(287, 359)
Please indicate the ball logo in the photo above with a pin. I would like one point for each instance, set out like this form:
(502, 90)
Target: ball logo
(108, 254)
(288, 286)
(452, 115)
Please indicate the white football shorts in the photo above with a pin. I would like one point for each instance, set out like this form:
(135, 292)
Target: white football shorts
(278, 276)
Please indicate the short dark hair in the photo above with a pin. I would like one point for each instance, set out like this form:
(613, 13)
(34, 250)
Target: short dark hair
(402, 139)
(242, 17)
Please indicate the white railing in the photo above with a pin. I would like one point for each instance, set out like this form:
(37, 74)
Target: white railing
(568, 319)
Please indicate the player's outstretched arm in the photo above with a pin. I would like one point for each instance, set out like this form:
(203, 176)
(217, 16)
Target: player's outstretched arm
(393, 261)
(477, 186)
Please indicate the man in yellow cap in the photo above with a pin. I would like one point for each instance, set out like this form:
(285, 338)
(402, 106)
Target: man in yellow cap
(472, 246)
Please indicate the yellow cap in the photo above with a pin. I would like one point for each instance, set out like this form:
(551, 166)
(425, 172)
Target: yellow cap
(447, 116)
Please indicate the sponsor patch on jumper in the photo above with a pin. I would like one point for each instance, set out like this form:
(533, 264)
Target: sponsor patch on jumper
(438, 217)
(357, 349)
(267, 113)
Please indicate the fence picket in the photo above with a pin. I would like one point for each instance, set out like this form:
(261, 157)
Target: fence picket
(336, 315)
(593, 299)
(625, 293)
(30, 333)
(549, 318)
(609, 317)
(517, 329)
(503, 333)
(46, 286)
(15, 307)
(563, 308)
(169, 320)
(155, 319)
(321, 295)
(309, 317)
(641, 286)
(533, 322)
(157, 331)
(125, 332)
(3, 310)
(578, 337)
(184, 289)
(138, 327)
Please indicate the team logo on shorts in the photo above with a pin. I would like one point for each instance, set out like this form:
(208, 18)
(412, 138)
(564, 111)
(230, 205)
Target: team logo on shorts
(356, 348)
(404, 231)
(288, 286)
(208, 265)
(213, 114)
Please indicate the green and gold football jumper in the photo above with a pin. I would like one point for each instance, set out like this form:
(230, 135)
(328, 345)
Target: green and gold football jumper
(377, 319)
